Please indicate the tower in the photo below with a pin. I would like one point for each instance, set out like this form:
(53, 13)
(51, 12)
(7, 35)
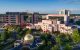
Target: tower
(67, 13)
(64, 12)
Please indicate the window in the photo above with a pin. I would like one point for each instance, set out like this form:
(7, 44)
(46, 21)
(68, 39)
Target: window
(13, 22)
(62, 12)
(13, 18)
(25, 18)
(6, 20)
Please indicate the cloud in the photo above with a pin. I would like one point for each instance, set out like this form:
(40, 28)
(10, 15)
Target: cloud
(69, 1)
(73, 2)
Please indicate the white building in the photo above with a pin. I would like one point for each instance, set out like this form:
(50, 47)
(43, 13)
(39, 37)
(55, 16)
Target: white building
(38, 25)
(54, 25)
(59, 17)
(47, 25)
(65, 29)
(30, 26)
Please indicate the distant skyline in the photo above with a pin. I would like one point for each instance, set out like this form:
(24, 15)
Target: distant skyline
(48, 6)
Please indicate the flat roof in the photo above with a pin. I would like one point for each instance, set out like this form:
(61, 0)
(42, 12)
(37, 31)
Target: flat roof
(55, 15)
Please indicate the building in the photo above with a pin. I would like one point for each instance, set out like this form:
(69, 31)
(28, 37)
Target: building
(53, 25)
(38, 25)
(20, 18)
(64, 12)
(30, 18)
(12, 18)
(47, 25)
(35, 18)
(43, 16)
(59, 17)
(25, 18)
(30, 26)
(75, 17)
(65, 29)
(2, 18)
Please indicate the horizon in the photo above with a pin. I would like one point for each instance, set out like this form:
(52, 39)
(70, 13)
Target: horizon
(43, 6)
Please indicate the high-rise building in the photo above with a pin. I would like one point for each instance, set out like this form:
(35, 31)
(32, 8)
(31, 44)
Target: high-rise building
(35, 17)
(12, 18)
(25, 18)
(2, 18)
(64, 12)
(19, 18)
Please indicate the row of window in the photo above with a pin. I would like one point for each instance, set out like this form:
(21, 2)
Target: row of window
(10, 22)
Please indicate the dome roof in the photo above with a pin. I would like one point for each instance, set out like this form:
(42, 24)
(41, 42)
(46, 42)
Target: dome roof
(28, 37)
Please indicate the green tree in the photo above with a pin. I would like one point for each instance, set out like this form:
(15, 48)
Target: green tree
(18, 36)
(55, 47)
(9, 34)
(28, 31)
(77, 22)
(68, 47)
(18, 29)
(58, 40)
(44, 47)
(63, 39)
(41, 47)
(44, 38)
(2, 36)
(76, 36)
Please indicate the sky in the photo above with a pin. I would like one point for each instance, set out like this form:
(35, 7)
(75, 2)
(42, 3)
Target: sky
(50, 6)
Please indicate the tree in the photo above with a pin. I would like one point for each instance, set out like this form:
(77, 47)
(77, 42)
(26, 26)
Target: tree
(9, 34)
(48, 40)
(71, 20)
(63, 39)
(66, 39)
(28, 31)
(18, 29)
(76, 36)
(55, 47)
(44, 38)
(77, 22)
(6, 34)
(2, 36)
(58, 40)
(68, 47)
(43, 47)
